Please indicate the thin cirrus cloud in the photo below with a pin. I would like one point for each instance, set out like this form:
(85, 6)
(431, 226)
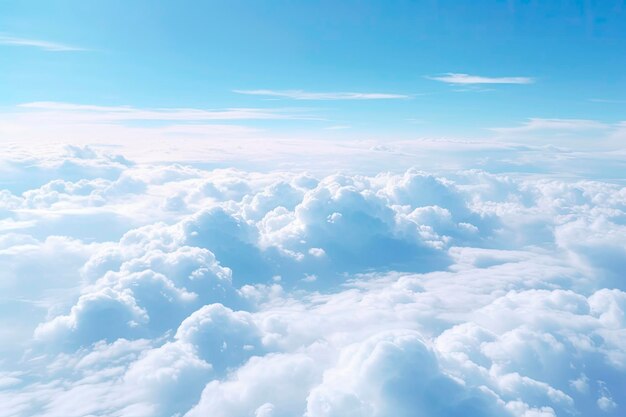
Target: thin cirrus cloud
(467, 79)
(608, 101)
(121, 113)
(539, 124)
(35, 43)
(307, 95)
(566, 132)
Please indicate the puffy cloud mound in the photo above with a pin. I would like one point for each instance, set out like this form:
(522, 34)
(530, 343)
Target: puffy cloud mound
(395, 374)
(171, 290)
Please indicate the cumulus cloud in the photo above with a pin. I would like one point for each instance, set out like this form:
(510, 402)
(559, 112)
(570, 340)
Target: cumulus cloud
(229, 292)
(395, 374)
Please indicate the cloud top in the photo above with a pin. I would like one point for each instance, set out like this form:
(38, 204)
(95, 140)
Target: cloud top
(168, 290)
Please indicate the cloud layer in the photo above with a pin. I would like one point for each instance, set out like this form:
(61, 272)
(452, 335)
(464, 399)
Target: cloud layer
(159, 290)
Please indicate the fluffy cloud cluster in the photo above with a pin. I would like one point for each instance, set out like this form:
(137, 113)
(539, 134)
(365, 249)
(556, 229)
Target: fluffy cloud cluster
(151, 290)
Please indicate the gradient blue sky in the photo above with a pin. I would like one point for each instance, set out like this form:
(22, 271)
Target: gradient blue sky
(196, 54)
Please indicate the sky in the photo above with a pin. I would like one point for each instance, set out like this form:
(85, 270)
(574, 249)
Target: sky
(524, 59)
(312, 208)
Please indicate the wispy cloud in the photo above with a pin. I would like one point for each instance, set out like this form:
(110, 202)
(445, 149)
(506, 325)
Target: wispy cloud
(608, 101)
(34, 43)
(143, 128)
(78, 112)
(538, 124)
(338, 127)
(465, 79)
(581, 134)
(306, 95)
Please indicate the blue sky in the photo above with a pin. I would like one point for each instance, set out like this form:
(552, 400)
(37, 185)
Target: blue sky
(197, 54)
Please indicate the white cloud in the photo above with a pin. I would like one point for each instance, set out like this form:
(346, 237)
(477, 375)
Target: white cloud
(241, 138)
(571, 135)
(83, 113)
(395, 373)
(537, 124)
(144, 133)
(277, 381)
(223, 336)
(608, 101)
(464, 293)
(338, 127)
(606, 404)
(466, 79)
(45, 45)
(306, 95)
